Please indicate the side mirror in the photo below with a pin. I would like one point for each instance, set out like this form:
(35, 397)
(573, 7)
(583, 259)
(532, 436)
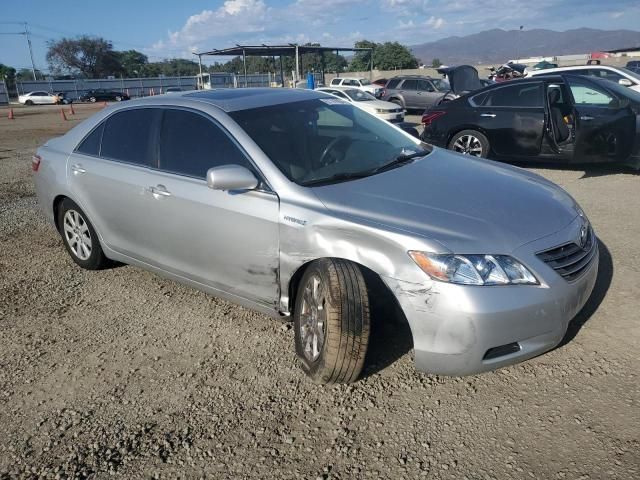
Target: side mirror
(231, 177)
(625, 82)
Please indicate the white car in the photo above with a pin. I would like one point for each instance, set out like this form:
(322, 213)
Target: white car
(39, 98)
(364, 100)
(620, 75)
(359, 83)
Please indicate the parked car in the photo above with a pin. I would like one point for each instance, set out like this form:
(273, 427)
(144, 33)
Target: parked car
(101, 95)
(570, 118)
(360, 83)
(39, 98)
(415, 91)
(634, 66)
(173, 90)
(296, 204)
(384, 110)
(623, 76)
(544, 65)
(63, 99)
(462, 79)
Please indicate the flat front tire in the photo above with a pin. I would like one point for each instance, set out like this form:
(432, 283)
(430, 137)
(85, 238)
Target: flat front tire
(470, 142)
(79, 237)
(332, 321)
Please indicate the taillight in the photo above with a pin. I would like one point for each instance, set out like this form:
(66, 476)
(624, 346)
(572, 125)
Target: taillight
(35, 162)
(383, 92)
(429, 117)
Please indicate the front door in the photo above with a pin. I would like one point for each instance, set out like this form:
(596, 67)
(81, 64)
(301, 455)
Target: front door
(605, 124)
(227, 240)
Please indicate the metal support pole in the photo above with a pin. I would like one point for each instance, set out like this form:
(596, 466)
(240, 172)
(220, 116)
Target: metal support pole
(33, 65)
(297, 68)
(337, 72)
(244, 63)
(371, 63)
(200, 83)
(281, 72)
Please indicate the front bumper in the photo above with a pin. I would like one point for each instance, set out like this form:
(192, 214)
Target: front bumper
(455, 326)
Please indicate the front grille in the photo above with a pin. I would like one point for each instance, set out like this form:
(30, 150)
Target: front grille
(570, 260)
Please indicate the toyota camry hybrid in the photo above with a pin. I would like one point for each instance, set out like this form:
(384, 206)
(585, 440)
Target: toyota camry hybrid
(294, 203)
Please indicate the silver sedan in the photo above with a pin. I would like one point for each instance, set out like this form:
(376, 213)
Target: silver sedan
(297, 204)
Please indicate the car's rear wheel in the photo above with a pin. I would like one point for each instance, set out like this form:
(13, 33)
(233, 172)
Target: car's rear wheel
(29, 102)
(332, 321)
(118, 98)
(79, 237)
(470, 142)
(93, 99)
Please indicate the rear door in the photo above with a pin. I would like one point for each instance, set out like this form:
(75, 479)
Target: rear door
(409, 91)
(513, 117)
(108, 175)
(427, 94)
(227, 240)
(605, 124)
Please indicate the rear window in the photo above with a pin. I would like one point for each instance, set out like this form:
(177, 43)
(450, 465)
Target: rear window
(127, 136)
(91, 143)
(524, 95)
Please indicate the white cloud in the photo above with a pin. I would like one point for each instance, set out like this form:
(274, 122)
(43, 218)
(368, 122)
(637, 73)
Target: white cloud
(434, 22)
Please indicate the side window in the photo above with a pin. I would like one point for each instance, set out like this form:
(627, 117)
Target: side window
(191, 144)
(128, 136)
(91, 143)
(588, 94)
(393, 83)
(410, 85)
(336, 81)
(352, 83)
(425, 86)
(525, 95)
(609, 75)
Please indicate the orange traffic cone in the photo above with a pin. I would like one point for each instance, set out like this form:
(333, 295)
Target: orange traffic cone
(11, 117)
(64, 117)
(71, 110)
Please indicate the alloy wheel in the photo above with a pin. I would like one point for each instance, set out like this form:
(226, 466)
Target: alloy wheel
(468, 145)
(77, 234)
(313, 318)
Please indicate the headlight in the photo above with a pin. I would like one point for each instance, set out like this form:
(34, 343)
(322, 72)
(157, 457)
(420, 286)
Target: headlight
(474, 269)
(381, 110)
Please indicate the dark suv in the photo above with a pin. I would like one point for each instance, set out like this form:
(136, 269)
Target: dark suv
(415, 91)
(101, 95)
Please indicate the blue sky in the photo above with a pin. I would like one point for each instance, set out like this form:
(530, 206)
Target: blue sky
(163, 29)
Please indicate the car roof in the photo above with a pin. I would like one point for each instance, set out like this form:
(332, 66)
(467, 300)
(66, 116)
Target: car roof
(568, 69)
(233, 99)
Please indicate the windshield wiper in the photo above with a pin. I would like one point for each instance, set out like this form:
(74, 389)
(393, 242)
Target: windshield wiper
(338, 177)
(399, 160)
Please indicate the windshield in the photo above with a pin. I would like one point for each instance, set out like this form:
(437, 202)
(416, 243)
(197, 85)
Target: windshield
(359, 95)
(441, 85)
(323, 139)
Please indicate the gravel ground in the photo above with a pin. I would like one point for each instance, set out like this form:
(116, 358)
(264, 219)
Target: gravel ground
(122, 373)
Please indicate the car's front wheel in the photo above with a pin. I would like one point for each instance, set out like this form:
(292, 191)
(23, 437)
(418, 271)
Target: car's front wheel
(470, 142)
(332, 322)
(118, 98)
(79, 237)
(93, 99)
(29, 102)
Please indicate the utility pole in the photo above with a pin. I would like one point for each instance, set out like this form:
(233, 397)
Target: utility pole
(33, 65)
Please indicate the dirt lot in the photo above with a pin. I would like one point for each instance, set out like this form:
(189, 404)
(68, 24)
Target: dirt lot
(122, 373)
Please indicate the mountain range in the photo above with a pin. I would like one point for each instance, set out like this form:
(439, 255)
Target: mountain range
(498, 46)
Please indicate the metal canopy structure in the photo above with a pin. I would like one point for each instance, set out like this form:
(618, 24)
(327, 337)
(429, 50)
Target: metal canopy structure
(279, 51)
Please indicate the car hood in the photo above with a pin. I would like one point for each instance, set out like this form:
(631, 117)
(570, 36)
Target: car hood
(468, 205)
(372, 104)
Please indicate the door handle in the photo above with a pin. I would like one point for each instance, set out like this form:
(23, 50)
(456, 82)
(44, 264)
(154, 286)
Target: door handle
(77, 168)
(490, 115)
(159, 191)
(586, 118)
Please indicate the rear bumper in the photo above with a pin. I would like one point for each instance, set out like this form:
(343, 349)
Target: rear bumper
(458, 330)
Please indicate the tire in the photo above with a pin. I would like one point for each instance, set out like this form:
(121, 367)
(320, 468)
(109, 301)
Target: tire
(340, 325)
(118, 98)
(74, 225)
(93, 99)
(470, 142)
(29, 102)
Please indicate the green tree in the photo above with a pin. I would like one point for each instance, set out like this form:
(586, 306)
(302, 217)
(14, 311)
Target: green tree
(436, 63)
(131, 61)
(361, 61)
(392, 55)
(90, 57)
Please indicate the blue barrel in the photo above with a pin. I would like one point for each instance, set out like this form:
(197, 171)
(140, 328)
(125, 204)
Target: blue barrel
(310, 81)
